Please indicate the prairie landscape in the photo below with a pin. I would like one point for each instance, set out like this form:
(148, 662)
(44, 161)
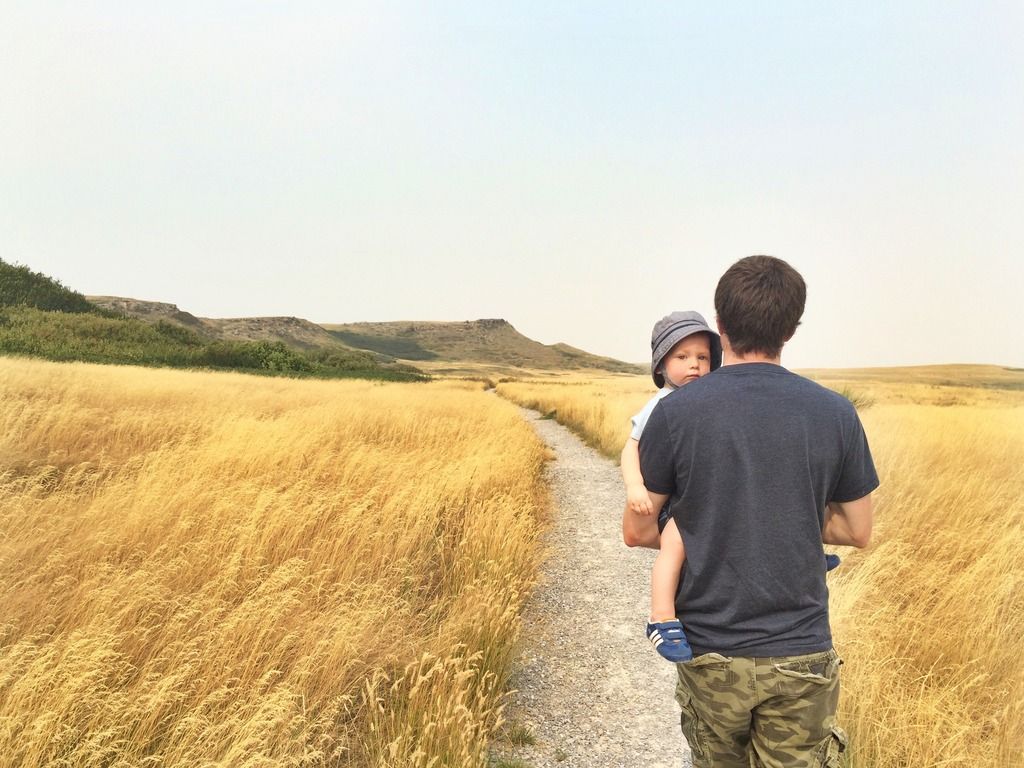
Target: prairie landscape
(219, 569)
(929, 618)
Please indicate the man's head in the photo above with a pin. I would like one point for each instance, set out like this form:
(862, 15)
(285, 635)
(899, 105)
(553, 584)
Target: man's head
(666, 339)
(759, 302)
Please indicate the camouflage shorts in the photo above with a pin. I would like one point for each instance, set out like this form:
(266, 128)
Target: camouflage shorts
(761, 712)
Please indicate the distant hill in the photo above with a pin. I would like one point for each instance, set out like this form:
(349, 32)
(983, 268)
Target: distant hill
(494, 342)
(153, 311)
(292, 331)
(440, 347)
(40, 317)
(121, 329)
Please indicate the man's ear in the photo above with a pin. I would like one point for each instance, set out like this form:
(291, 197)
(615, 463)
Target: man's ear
(718, 325)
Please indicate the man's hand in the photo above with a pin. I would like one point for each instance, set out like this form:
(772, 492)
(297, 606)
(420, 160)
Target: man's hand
(638, 500)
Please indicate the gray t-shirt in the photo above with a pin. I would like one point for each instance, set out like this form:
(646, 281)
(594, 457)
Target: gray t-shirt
(750, 455)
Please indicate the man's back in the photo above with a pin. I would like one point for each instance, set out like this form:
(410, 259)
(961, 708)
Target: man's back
(751, 454)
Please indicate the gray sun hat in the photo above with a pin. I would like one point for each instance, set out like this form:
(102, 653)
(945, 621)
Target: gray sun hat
(672, 329)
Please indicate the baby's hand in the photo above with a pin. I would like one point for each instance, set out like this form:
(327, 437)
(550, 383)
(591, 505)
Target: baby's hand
(638, 500)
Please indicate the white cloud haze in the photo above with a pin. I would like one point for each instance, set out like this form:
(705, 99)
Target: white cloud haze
(579, 171)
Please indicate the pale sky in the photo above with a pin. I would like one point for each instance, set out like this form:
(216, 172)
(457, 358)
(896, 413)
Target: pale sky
(579, 169)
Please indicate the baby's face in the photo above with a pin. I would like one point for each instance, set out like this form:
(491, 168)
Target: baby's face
(688, 360)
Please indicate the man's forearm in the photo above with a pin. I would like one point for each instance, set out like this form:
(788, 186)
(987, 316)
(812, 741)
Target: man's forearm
(640, 530)
(837, 531)
(848, 524)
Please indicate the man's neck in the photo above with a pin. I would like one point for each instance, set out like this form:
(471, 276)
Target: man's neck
(730, 358)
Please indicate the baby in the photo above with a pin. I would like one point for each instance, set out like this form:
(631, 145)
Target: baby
(683, 348)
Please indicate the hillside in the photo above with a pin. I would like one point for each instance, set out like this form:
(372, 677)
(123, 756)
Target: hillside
(446, 346)
(40, 317)
(292, 331)
(152, 311)
(473, 346)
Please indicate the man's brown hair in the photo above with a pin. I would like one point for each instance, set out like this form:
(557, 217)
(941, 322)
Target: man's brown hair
(759, 302)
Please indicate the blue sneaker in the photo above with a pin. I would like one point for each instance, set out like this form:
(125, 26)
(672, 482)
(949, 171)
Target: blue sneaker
(832, 561)
(669, 640)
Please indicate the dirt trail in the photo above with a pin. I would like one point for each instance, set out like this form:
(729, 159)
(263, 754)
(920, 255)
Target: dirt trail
(590, 687)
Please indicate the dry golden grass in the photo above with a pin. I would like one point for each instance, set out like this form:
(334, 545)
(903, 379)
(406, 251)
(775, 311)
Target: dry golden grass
(930, 617)
(945, 385)
(214, 569)
(597, 409)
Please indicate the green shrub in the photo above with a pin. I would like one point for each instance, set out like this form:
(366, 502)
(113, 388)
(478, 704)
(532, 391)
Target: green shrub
(39, 317)
(96, 338)
(179, 333)
(253, 355)
(20, 286)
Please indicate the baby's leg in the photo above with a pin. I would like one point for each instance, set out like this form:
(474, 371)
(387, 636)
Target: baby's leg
(665, 574)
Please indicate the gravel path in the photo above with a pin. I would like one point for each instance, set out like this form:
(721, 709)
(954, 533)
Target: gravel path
(590, 687)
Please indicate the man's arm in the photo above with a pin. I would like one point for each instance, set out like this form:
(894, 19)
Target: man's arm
(642, 530)
(658, 471)
(848, 523)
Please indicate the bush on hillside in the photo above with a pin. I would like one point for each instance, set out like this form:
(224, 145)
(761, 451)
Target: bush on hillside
(100, 338)
(86, 337)
(258, 355)
(20, 286)
(179, 333)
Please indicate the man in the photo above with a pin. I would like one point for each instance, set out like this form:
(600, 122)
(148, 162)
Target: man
(760, 466)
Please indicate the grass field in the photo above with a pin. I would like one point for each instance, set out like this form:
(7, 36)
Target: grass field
(218, 569)
(929, 619)
(215, 569)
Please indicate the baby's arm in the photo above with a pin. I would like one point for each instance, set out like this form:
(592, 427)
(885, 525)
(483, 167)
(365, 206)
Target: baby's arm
(637, 498)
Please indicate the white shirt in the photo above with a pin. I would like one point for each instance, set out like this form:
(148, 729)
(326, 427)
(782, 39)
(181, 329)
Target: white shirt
(640, 420)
